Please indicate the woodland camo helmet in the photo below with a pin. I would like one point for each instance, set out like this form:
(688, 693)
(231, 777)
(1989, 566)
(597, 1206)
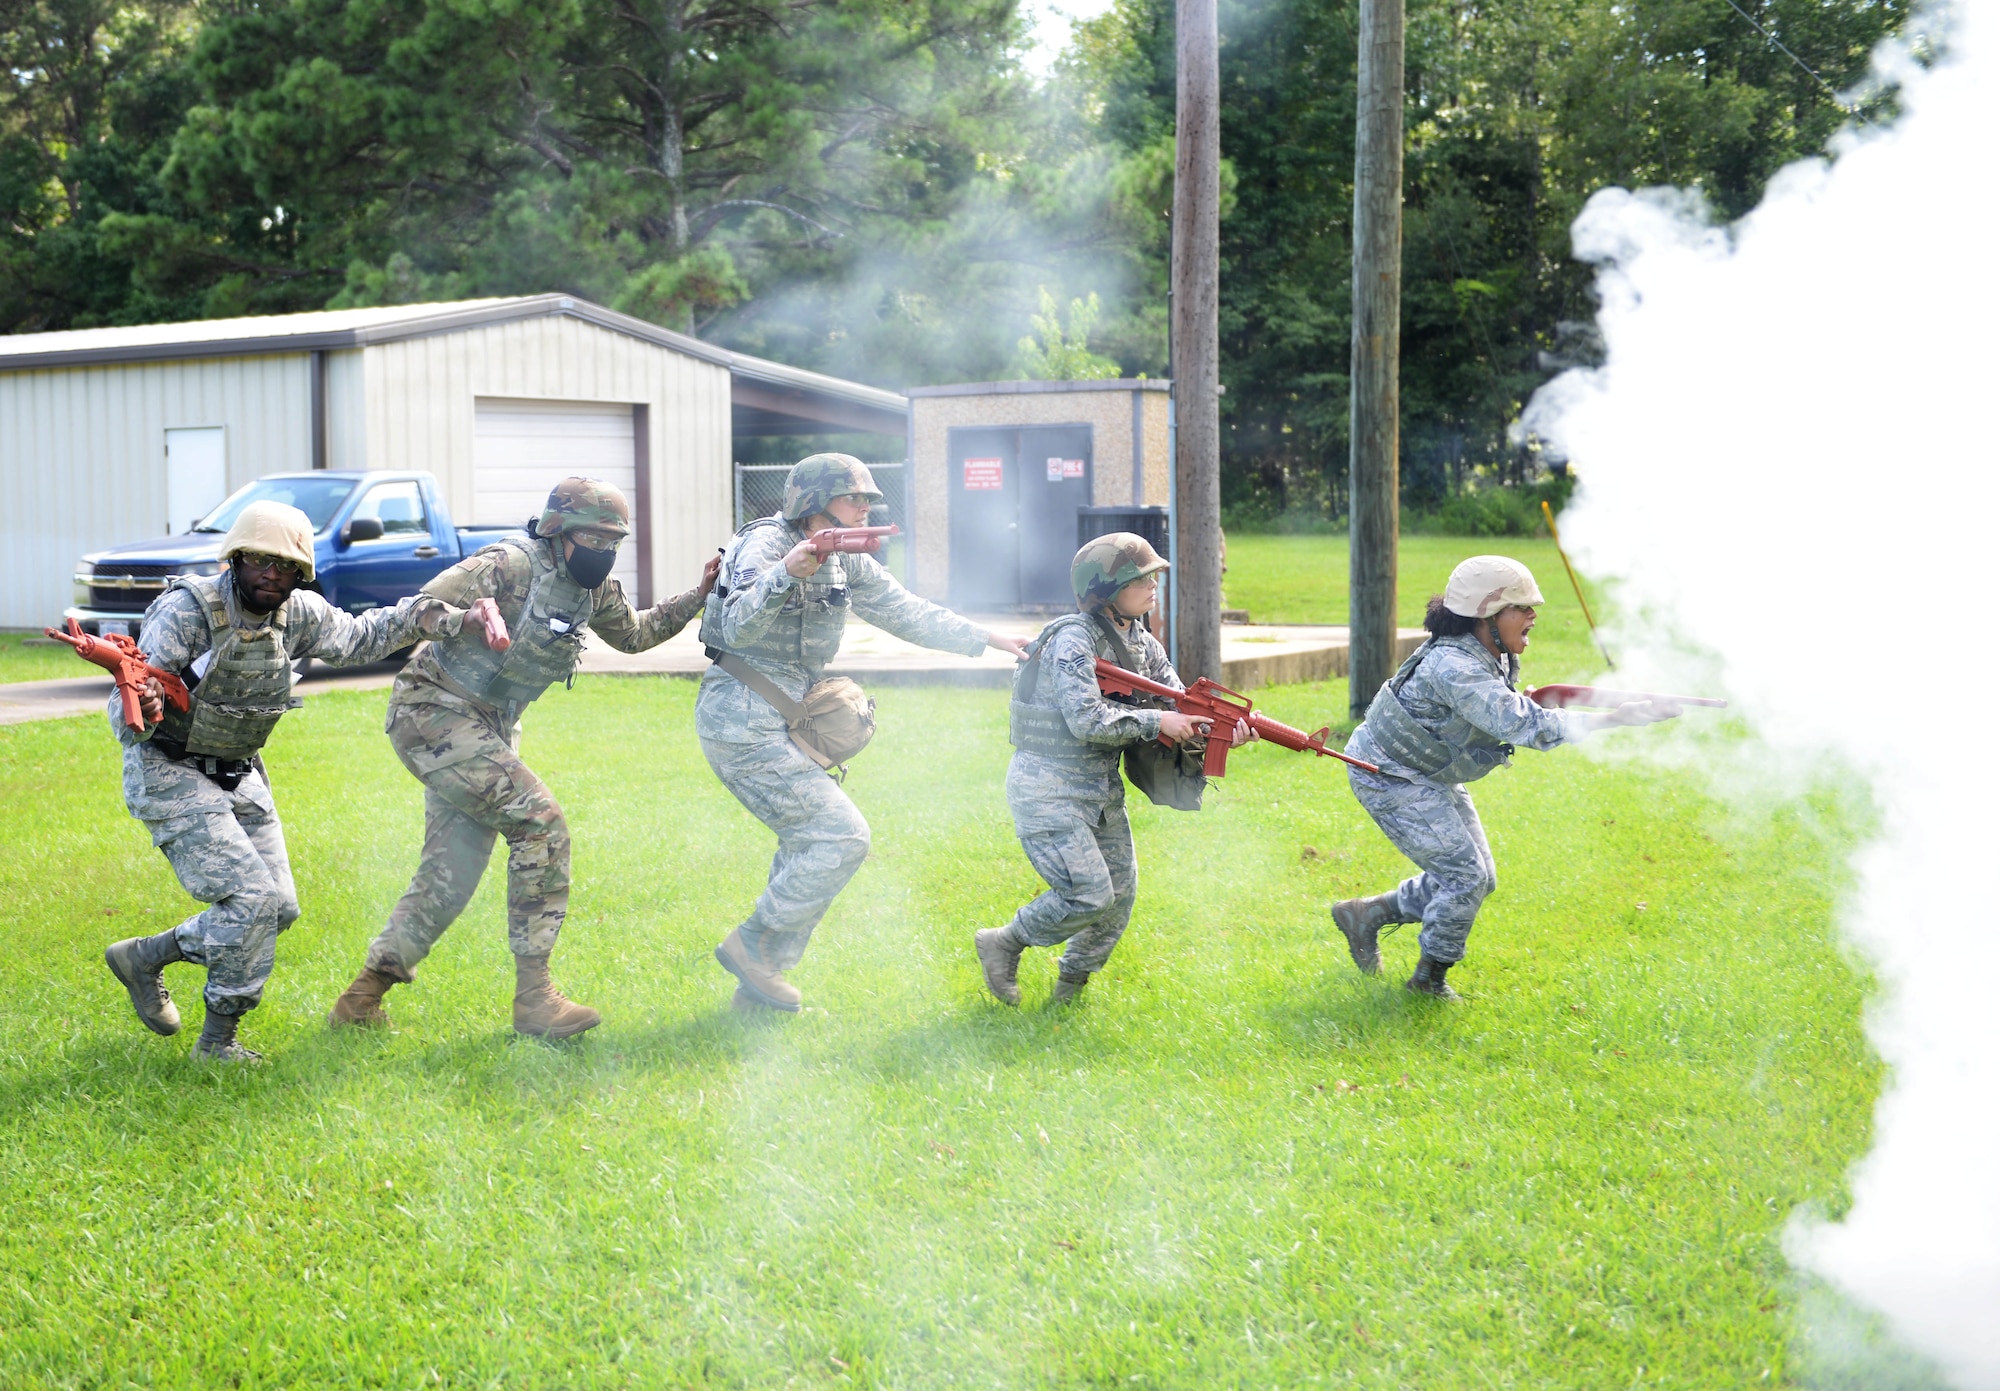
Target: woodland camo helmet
(1108, 563)
(577, 503)
(820, 478)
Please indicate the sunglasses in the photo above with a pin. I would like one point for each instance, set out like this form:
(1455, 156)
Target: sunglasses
(271, 564)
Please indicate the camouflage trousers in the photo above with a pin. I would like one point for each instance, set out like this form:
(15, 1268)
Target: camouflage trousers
(1075, 832)
(1439, 829)
(822, 840)
(475, 788)
(228, 851)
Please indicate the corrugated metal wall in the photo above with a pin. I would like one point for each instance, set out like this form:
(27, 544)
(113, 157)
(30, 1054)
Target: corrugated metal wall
(83, 461)
(419, 414)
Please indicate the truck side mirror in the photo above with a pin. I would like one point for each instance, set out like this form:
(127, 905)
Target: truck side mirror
(361, 529)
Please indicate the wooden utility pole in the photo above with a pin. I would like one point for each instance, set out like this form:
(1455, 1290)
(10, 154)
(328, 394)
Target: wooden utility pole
(1196, 347)
(1378, 310)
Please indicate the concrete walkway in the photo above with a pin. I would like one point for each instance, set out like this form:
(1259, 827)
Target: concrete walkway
(1253, 655)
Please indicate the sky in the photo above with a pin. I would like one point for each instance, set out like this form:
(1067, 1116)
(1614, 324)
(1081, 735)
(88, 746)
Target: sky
(1052, 20)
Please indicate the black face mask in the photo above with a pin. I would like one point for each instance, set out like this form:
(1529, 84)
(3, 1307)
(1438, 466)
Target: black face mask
(590, 568)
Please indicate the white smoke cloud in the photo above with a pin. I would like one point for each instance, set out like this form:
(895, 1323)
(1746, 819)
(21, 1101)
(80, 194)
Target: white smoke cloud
(1789, 459)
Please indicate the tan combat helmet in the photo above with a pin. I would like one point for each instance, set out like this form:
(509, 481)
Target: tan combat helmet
(272, 528)
(818, 479)
(579, 503)
(1485, 584)
(1106, 564)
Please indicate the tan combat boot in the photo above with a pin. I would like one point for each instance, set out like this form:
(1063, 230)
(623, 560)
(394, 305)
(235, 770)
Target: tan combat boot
(766, 983)
(137, 962)
(540, 1009)
(361, 1002)
(1000, 959)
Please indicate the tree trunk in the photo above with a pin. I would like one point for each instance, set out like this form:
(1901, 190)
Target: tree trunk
(1374, 403)
(1196, 348)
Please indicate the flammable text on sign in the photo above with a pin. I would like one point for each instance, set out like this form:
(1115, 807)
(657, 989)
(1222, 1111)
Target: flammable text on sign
(982, 475)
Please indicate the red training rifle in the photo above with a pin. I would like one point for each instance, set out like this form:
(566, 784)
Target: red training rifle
(1598, 698)
(851, 540)
(121, 656)
(1205, 700)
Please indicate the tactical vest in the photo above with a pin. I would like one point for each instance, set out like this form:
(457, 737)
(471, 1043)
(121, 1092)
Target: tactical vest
(1042, 730)
(547, 632)
(806, 631)
(1396, 732)
(247, 688)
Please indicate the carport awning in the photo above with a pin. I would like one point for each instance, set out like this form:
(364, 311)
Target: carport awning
(768, 398)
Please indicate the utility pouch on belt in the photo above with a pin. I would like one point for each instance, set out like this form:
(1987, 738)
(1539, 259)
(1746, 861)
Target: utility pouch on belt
(1169, 774)
(832, 724)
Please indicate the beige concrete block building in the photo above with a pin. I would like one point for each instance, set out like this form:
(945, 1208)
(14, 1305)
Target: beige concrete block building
(999, 469)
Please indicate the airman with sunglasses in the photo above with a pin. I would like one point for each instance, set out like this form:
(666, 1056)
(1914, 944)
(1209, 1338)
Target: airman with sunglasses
(196, 777)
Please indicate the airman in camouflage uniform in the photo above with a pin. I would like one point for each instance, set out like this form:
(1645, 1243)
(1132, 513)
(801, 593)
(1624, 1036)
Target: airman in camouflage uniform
(1064, 786)
(196, 778)
(782, 611)
(1449, 716)
(454, 719)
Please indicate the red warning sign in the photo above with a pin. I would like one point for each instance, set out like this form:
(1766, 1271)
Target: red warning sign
(982, 475)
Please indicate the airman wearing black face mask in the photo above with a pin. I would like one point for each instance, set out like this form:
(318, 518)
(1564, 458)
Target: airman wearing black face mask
(454, 719)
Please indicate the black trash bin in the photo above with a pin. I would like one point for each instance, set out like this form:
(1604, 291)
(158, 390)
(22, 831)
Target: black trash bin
(1149, 522)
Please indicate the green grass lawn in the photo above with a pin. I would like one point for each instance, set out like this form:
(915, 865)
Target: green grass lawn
(1303, 579)
(22, 660)
(1236, 1164)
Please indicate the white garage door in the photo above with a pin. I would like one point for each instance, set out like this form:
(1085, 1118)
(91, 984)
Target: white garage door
(521, 448)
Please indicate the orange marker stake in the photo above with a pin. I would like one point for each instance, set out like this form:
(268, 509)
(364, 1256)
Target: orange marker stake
(1584, 604)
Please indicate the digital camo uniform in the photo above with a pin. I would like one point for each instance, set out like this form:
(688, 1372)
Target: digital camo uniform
(1065, 787)
(788, 629)
(221, 833)
(1067, 793)
(454, 721)
(1449, 716)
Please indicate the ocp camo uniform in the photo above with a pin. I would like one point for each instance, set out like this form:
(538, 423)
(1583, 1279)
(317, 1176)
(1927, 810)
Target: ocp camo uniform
(454, 721)
(197, 780)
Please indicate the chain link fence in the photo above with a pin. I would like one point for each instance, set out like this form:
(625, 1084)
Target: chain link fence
(760, 492)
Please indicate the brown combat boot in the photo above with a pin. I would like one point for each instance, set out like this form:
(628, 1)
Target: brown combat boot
(1068, 987)
(137, 962)
(767, 984)
(361, 1002)
(540, 1009)
(1000, 958)
(1361, 921)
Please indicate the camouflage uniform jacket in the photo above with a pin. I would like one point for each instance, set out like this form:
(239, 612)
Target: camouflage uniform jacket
(789, 628)
(1464, 697)
(505, 573)
(1066, 683)
(175, 637)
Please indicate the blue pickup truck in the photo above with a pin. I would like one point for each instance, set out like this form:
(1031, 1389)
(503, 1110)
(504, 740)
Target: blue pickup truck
(377, 538)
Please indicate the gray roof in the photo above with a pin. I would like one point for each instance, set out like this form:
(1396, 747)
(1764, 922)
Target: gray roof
(1041, 388)
(356, 328)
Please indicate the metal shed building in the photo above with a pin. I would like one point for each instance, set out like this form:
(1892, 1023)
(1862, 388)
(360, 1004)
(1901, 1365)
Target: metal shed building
(113, 434)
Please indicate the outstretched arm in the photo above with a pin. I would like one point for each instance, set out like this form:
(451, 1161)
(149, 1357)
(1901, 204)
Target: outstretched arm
(631, 630)
(881, 599)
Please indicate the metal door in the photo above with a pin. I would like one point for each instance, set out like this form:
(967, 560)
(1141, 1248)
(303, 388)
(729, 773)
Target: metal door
(197, 475)
(521, 448)
(1055, 482)
(985, 518)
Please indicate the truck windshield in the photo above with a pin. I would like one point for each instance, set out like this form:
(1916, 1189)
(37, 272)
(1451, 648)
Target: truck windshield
(318, 498)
